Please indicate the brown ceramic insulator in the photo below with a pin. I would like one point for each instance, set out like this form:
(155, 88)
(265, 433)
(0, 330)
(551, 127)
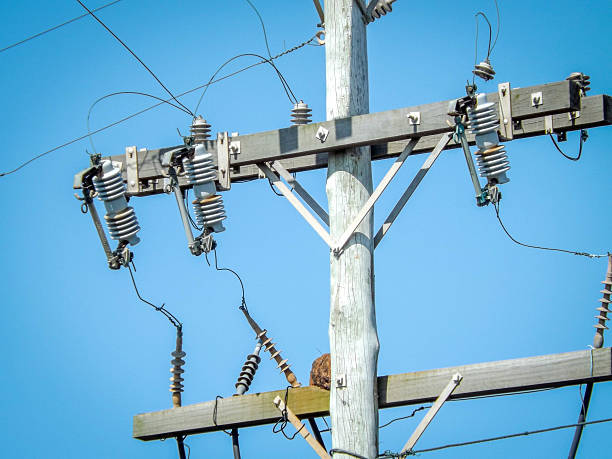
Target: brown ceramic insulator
(176, 386)
(604, 308)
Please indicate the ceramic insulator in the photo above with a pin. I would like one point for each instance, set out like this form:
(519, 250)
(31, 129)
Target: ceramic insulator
(200, 130)
(207, 205)
(484, 70)
(491, 156)
(248, 371)
(300, 114)
(120, 218)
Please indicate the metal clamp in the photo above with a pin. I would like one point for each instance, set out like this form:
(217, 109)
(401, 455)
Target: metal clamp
(505, 111)
(223, 161)
(131, 169)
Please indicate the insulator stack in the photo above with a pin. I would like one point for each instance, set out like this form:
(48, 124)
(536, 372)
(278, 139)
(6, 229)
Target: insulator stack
(582, 80)
(176, 386)
(604, 309)
(269, 346)
(120, 218)
(207, 205)
(300, 114)
(484, 70)
(382, 8)
(200, 130)
(248, 370)
(491, 156)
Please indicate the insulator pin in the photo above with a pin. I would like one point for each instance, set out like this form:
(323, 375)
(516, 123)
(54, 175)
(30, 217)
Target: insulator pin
(582, 80)
(300, 114)
(484, 70)
(120, 218)
(381, 9)
(176, 386)
(604, 308)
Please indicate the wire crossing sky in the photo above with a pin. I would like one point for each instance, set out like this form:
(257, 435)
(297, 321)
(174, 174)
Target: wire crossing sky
(451, 287)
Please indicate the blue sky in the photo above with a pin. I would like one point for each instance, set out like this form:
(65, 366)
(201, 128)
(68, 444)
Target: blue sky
(83, 355)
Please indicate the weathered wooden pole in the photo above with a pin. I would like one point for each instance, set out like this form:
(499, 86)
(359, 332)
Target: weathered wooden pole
(352, 326)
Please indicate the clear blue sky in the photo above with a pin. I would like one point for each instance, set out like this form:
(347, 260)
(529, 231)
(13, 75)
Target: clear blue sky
(83, 355)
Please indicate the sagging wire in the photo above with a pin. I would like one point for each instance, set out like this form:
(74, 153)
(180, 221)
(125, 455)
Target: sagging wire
(243, 305)
(133, 115)
(504, 437)
(286, 87)
(136, 93)
(263, 27)
(584, 135)
(583, 254)
(280, 425)
(135, 56)
(51, 29)
(173, 320)
(421, 408)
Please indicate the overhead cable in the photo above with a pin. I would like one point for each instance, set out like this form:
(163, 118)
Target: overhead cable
(504, 437)
(133, 115)
(55, 27)
(583, 254)
(584, 135)
(133, 54)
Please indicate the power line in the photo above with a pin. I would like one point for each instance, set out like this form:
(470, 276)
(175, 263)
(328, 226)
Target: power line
(134, 54)
(133, 115)
(583, 254)
(56, 27)
(583, 137)
(504, 437)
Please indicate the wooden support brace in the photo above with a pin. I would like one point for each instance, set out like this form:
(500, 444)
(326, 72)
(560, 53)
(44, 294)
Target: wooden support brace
(313, 222)
(448, 390)
(301, 428)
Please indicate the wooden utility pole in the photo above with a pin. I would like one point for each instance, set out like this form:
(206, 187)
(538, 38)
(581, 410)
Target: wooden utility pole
(352, 325)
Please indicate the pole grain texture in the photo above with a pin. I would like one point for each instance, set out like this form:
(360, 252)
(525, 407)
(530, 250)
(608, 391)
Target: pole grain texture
(352, 327)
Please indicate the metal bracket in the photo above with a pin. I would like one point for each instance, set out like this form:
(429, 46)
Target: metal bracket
(414, 118)
(431, 159)
(537, 99)
(548, 125)
(322, 134)
(319, 9)
(223, 161)
(505, 111)
(448, 390)
(131, 169)
(295, 202)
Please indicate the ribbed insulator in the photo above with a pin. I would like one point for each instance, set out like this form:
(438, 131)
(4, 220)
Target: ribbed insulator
(248, 371)
(484, 70)
(491, 156)
(382, 7)
(120, 218)
(300, 114)
(176, 380)
(209, 211)
(282, 364)
(200, 130)
(604, 308)
(582, 80)
(123, 225)
(200, 169)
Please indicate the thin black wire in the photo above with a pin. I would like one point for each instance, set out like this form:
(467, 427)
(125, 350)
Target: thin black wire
(583, 137)
(134, 54)
(263, 27)
(215, 416)
(498, 26)
(264, 60)
(405, 417)
(173, 320)
(584, 254)
(123, 93)
(133, 115)
(243, 305)
(480, 13)
(281, 423)
(188, 448)
(503, 437)
(56, 27)
(273, 190)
